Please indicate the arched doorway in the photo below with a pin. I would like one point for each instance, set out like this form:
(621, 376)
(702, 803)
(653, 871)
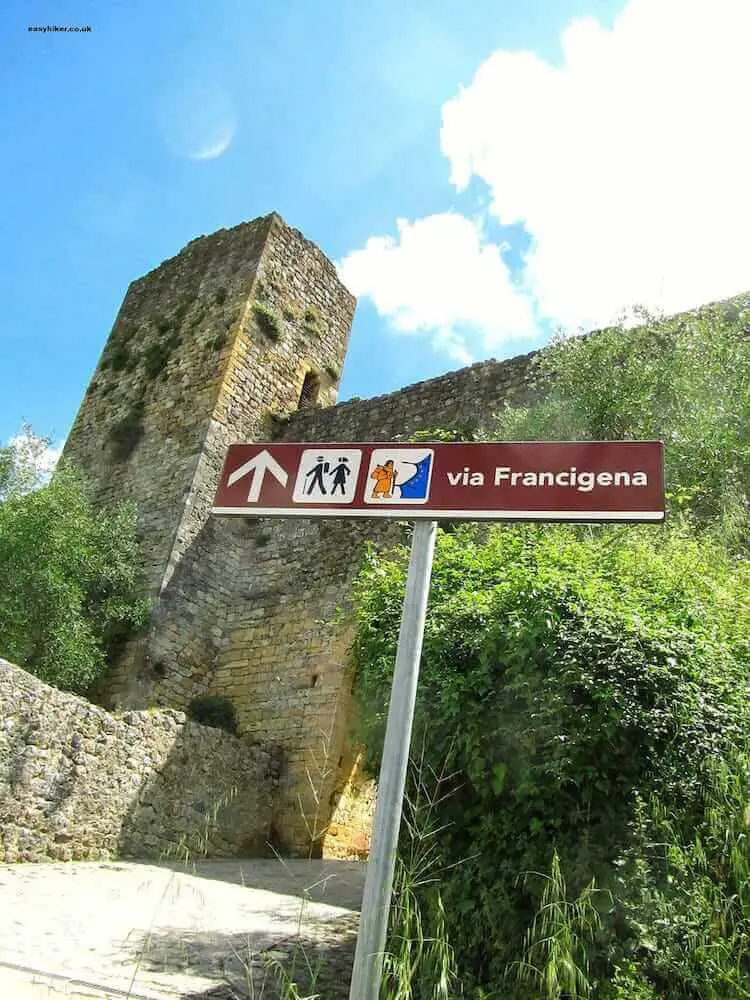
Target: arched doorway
(308, 397)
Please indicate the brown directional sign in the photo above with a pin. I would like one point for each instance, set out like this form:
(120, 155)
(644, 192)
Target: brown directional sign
(529, 481)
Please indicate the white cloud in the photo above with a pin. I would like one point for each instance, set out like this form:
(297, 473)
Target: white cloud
(48, 460)
(628, 164)
(443, 278)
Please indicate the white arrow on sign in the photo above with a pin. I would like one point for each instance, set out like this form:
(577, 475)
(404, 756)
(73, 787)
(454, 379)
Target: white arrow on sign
(262, 463)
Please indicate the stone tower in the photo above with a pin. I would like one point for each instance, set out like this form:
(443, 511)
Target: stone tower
(239, 327)
(222, 343)
(216, 345)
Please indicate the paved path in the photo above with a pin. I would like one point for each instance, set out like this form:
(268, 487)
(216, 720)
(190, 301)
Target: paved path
(158, 932)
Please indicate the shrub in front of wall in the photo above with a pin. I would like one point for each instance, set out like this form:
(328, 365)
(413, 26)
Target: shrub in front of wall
(566, 673)
(118, 357)
(157, 355)
(313, 323)
(72, 588)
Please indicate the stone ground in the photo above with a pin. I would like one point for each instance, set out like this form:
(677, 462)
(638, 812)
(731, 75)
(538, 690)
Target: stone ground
(203, 931)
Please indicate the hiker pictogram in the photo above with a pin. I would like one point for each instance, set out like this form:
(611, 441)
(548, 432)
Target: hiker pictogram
(327, 476)
(318, 470)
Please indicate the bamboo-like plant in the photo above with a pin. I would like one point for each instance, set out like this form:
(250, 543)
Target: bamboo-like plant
(555, 959)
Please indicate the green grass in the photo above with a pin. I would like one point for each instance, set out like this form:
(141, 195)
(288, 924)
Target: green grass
(313, 323)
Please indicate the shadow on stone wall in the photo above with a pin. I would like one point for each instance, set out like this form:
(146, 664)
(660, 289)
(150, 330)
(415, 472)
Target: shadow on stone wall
(212, 796)
(173, 660)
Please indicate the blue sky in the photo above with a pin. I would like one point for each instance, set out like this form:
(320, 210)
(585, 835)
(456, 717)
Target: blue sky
(385, 132)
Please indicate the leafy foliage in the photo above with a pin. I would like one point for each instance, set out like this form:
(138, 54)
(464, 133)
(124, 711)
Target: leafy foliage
(118, 355)
(419, 960)
(684, 890)
(589, 685)
(684, 380)
(565, 674)
(157, 354)
(313, 322)
(127, 431)
(72, 589)
(555, 959)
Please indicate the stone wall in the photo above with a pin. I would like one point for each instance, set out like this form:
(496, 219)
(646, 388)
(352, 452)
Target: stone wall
(465, 399)
(140, 429)
(79, 783)
(252, 611)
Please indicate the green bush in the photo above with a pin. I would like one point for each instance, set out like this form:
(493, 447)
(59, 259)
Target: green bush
(215, 711)
(267, 320)
(313, 322)
(566, 673)
(23, 465)
(71, 590)
(583, 682)
(683, 891)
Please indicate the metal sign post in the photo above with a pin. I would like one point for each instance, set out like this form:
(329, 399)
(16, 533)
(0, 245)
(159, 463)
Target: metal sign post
(376, 902)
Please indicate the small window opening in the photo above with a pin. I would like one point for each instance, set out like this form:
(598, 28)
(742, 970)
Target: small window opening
(314, 680)
(310, 391)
